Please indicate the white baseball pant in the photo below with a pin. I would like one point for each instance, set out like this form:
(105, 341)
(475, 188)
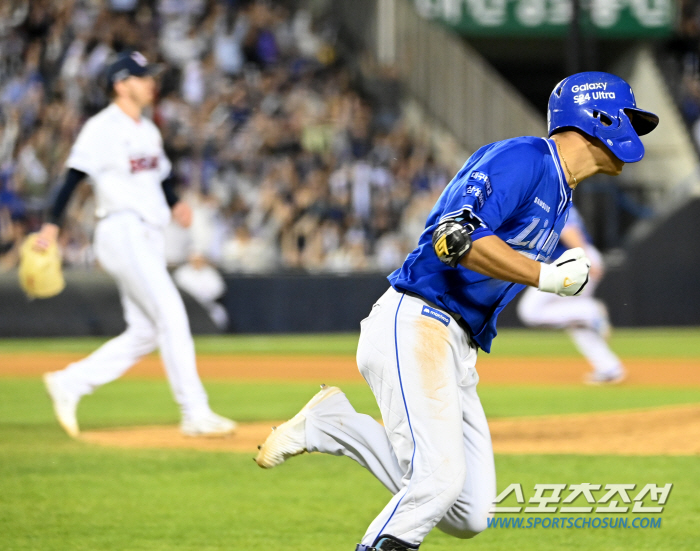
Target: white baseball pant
(434, 451)
(133, 253)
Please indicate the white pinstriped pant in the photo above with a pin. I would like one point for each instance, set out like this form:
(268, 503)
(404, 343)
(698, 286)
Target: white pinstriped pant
(133, 253)
(434, 451)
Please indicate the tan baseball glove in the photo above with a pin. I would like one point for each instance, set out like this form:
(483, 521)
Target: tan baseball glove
(40, 272)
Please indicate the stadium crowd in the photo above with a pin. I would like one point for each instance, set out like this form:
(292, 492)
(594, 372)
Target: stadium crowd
(684, 58)
(287, 162)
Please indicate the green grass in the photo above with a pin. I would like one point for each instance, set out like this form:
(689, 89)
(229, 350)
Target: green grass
(59, 494)
(139, 402)
(628, 343)
(81, 498)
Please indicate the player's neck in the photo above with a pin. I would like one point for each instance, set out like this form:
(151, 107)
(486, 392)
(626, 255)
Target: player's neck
(578, 156)
(129, 107)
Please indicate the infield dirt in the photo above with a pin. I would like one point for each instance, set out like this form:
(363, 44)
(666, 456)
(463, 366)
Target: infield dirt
(659, 431)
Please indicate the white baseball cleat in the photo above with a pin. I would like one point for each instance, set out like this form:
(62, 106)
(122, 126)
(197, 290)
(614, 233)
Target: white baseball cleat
(208, 424)
(65, 404)
(612, 378)
(289, 439)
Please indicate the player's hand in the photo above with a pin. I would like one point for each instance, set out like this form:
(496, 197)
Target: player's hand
(182, 214)
(47, 236)
(566, 276)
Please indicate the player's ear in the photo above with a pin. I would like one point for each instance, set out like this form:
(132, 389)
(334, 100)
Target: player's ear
(119, 88)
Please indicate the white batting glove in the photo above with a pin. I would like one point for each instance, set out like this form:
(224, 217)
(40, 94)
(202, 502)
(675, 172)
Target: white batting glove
(567, 275)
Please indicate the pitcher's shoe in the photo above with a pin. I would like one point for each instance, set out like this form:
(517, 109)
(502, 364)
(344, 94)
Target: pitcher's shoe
(610, 378)
(65, 404)
(289, 439)
(207, 424)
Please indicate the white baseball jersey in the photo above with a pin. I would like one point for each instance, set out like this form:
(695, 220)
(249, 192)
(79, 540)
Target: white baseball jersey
(127, 164)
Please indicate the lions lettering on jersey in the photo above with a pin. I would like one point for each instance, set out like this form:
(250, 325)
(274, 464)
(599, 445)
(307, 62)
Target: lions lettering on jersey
(514, 189)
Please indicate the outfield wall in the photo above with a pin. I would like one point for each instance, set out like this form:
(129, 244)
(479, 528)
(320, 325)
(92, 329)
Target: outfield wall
(89, 305)
(657, 283)
(317, 304)
(654, 286)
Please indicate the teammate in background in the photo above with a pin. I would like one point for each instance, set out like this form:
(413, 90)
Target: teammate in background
(487, 238)
(122, 152)
(584, 317)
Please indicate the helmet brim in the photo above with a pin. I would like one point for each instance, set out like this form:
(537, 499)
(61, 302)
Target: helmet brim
(642, 121)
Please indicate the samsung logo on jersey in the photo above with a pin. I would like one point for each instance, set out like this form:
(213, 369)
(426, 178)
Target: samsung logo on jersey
(436, 314)
(589, 86)
(540, 203)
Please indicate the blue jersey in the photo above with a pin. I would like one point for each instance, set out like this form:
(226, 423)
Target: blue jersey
(514, 189)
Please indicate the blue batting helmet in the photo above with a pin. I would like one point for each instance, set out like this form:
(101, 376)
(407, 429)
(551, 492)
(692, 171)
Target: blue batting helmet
(603, 106)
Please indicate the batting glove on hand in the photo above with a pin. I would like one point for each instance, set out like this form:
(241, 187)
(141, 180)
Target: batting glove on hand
(566, 276)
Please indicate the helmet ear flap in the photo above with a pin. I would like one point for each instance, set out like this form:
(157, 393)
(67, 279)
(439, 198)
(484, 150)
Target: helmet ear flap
(621, 139)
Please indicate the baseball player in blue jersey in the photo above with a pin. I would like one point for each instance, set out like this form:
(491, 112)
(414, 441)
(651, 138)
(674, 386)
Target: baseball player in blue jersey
(584, 317)
(486, 239)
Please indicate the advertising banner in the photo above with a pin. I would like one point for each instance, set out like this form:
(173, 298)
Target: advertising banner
(551, 18)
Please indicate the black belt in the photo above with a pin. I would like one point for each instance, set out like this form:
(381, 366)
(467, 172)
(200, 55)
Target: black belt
(459, 319)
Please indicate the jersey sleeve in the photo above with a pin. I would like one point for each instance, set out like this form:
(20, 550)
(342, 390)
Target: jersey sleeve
(85, 155)
(165, 167)
(489, 192)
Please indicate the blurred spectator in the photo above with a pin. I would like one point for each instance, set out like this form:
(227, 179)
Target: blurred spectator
(685, 50)
(287, 164)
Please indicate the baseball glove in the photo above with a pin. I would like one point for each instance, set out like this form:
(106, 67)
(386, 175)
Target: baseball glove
(40, 271)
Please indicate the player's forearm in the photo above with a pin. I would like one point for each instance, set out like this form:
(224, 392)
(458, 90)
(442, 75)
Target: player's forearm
(57, 210)
(491, 256)
(168, 186)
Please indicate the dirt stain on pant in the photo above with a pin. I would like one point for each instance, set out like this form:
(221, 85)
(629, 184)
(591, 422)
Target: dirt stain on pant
(431, 351)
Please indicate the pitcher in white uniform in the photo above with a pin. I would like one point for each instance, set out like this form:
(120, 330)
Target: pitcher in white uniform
(121, 151)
